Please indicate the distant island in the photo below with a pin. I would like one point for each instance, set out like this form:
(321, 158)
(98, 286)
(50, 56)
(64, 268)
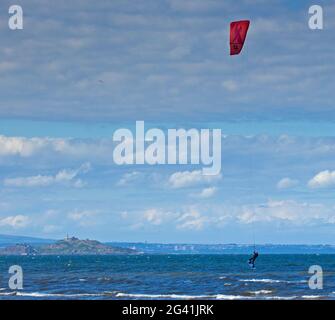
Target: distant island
(67, 246)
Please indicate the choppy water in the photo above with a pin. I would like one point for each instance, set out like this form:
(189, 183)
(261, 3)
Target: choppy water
(168, 277)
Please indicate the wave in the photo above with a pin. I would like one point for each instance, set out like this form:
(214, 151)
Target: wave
(216, 296)
(163, 296)
(312, 297)
(297, 281)
(42, 295)
(48, 295)
(262, 280)
(260, 292)
(181, 297)
(272, 281)
(231, 297)
(257, 294)
(124, 295)
(281, 298)
(7, 293)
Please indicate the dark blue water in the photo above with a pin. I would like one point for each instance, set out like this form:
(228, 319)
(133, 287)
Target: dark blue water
(168, 277)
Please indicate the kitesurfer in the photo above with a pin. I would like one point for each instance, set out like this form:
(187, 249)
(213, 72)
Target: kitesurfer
(253, 259)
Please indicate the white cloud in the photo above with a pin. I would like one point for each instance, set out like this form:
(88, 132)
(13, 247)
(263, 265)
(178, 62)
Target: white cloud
(23, 147)
(35, 181)
(207, 193)
(63, 176)
(288, 211)
(19, 221)
(46, 147)
(80, 215)
(28, 147)
(128, 178)
(191, 220)
(157, 216)
(188, 218)
(323, 179)
(199, 217)
(191, 178)
(287, 183)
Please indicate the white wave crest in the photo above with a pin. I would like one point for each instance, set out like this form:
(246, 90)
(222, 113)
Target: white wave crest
(262, 280)
(260, 292)
(312, 297)
(163, 296)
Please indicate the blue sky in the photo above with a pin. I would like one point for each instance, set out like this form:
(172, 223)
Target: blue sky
(80, 70)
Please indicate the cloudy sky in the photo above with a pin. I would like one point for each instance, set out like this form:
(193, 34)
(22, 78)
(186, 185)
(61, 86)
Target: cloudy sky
(80, 69)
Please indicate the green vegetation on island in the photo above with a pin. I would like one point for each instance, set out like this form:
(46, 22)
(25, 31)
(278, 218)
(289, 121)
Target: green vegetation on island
(67, 246)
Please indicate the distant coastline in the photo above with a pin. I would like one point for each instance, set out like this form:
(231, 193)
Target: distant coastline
(16, 245)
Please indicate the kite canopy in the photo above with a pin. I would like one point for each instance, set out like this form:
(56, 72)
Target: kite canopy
(238, 34)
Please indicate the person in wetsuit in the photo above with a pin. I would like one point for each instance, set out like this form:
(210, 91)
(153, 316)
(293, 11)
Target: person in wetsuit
(253, 259)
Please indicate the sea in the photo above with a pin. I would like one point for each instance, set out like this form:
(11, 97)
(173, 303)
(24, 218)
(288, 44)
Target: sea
(187, 277)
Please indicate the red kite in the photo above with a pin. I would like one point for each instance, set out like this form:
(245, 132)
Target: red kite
(238, 34)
